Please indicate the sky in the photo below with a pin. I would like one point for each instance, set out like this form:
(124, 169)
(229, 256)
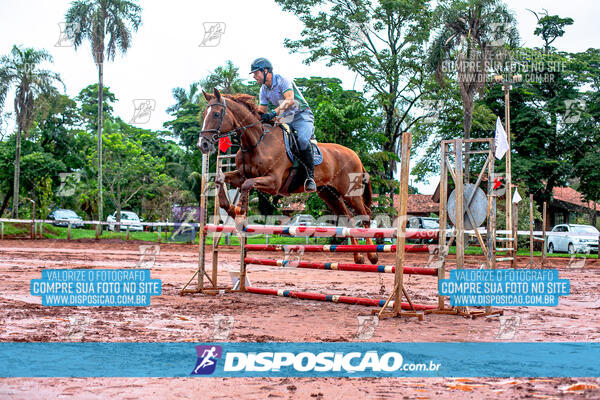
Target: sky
(168, 51)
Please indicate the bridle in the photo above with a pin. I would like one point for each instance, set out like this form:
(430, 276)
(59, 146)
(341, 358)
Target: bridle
(217, 134)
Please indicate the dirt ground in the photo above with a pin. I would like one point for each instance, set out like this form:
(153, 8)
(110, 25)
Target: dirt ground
(257, 318)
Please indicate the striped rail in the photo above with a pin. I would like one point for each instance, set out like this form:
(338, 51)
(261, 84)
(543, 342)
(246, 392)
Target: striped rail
(322, 231)
(390, 269)
(335, 299)
(382, 248)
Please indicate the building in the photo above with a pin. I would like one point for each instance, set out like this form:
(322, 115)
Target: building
(420, 205)
(568, 206)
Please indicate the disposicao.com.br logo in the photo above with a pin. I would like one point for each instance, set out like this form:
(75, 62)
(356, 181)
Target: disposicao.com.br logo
(315, 363)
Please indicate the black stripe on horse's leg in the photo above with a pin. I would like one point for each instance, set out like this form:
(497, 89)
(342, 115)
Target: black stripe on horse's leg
(336, 204)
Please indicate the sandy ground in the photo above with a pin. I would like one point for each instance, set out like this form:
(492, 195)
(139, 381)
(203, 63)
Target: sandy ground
(256, 318)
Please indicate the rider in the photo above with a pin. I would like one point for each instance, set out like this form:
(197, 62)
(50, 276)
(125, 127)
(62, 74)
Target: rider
(283, 94)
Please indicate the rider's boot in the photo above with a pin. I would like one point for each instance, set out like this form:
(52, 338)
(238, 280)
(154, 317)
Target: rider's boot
(306, 159)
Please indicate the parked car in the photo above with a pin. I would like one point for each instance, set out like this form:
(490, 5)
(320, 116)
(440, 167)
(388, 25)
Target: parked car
(302, 220)
(128, 218)
(62, 217)
(573, 238)
(427, 224)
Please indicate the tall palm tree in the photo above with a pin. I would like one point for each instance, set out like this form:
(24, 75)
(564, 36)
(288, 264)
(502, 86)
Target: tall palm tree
(471, 32)
(22, 69)
(96, 21)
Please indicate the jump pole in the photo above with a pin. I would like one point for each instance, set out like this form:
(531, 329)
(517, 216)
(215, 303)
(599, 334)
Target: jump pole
(340, 299)
(334, 266)
(363, 248)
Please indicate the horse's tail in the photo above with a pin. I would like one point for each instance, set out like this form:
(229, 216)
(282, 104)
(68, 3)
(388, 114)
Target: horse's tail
(368, 191)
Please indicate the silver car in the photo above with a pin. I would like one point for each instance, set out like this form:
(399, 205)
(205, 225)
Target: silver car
(572, 238)
(128, 218)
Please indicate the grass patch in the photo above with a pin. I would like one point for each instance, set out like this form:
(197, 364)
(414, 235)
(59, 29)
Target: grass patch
(55, 232)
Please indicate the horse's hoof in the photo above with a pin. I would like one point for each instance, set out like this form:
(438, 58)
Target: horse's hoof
(240, 222)
(359, 259)
(373, 257)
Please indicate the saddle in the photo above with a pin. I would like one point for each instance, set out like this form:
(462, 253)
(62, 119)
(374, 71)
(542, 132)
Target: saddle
(290, 139)
(297, 174)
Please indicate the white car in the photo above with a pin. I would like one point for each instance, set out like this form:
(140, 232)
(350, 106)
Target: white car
(571, 238)
(128, 218)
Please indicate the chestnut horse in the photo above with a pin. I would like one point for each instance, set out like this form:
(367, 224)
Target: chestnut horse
(262, 162)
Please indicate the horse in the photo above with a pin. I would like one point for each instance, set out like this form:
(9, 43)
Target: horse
(262, 163)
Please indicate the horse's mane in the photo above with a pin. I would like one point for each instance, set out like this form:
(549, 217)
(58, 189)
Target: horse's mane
(246, 100)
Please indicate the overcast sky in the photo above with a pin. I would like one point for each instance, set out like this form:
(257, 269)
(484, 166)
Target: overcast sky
(167, 51)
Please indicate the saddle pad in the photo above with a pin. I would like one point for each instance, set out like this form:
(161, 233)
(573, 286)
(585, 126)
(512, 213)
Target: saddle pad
(317, 155)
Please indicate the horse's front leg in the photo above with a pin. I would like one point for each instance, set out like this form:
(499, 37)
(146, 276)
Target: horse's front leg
(268, 184)
(233, 178)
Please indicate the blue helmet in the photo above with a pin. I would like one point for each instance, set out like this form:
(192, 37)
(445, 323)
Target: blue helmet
(260, 64)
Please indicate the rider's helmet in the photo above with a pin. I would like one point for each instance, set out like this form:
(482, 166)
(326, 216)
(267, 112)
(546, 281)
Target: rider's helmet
(260, 64)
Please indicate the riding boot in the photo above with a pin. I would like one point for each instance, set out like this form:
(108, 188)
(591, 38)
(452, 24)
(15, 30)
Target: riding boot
(306, 159)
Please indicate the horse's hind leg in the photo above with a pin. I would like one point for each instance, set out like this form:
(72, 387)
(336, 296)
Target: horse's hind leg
(336, 204)
(357, 204)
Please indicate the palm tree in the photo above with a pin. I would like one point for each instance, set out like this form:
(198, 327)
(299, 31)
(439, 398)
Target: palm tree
(472, 32)
(182, 97)
(21, 69)
(95, 21)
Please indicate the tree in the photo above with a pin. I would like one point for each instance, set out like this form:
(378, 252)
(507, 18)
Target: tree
(587, 153)
(95, 21)
(88, 110)
(182, 97)
(22, 69)
(227, 80)
(383, 42)
(471, 32)
(129, 169)
(550, 27)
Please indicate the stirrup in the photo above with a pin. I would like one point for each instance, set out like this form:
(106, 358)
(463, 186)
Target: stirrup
(307, 182)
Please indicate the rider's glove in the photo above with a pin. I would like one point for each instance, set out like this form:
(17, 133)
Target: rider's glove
(266, 117)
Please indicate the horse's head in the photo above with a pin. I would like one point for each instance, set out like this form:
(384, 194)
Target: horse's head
(217, 122)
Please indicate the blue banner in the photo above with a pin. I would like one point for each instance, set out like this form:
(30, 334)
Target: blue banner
(299, 359)
(96, 287)
(504, 287)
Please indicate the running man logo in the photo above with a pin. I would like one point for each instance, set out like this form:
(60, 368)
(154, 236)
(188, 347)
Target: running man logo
(212, 34)
(142, 110)
(367, 324)
(293, 256)
(508, 327)
(148, 255)
(67, 33)
(207, 359)
(356, 185)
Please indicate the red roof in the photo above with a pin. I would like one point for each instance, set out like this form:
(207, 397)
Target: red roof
(570, 195)
(419, 204)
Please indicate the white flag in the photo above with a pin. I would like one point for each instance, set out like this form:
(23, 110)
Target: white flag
(500, 140)
(516, 197)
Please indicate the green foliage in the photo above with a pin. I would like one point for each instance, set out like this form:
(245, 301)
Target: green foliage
(88, 98)
(471, 34)
(550, 27)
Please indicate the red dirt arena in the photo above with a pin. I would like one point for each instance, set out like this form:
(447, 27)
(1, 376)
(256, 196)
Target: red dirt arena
(257, 318)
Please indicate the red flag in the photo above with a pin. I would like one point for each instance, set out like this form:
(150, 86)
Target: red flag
(497, 183)
(224, 144)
